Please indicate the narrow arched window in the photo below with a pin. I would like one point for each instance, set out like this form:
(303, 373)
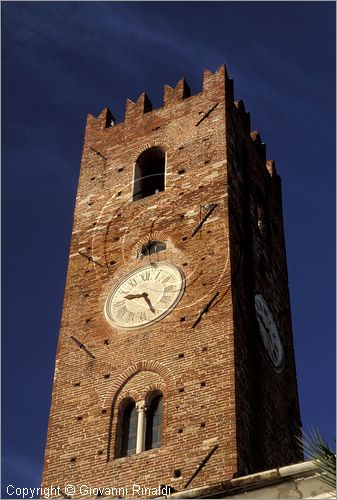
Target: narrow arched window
(149, 173)
(154, 418)
(262, 217)
(129, 430)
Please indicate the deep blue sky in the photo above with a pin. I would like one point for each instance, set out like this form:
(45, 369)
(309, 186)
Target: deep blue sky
(62, 60)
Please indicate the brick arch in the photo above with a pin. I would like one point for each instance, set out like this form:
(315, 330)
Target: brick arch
(153, 144)
(150, 366)
(151, 389)
(143, 395)
(169, 380)
(155, 235)
(129, 393)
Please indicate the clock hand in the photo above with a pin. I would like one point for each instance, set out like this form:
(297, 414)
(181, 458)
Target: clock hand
(136, 296)
(268, 340)
(148, 301)
(264, 324)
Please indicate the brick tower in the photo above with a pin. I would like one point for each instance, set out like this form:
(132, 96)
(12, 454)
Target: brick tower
(175, 362)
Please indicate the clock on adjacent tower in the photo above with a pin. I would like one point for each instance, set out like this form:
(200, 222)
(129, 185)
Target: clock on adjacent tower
(269, 332)
(175, 354)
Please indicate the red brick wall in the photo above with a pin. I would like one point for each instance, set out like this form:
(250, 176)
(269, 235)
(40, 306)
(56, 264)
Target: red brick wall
(110, 228)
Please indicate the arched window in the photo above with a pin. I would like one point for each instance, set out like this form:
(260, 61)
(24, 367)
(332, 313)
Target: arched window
(262, 217)
(129, 430)
(153, 246)
(149, 173)
(154, 423)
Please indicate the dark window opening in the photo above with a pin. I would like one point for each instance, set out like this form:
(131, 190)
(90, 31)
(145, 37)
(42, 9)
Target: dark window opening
(149, 173)
(154, 423)
(129, 430)
(262, 217)
(261, 211)
(153, 246)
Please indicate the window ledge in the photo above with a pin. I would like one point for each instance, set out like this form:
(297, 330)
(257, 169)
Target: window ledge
(145, 453)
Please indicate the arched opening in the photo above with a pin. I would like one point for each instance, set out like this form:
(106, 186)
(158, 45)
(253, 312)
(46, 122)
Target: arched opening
(154, 419)
(129, 429)
(149, 173)
(153, 246)
(262, 215)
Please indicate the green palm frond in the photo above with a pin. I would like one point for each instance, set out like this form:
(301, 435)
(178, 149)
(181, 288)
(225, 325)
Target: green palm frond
(317, 449)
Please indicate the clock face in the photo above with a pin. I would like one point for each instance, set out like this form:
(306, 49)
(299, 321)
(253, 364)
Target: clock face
(269, 332)
(144, 296)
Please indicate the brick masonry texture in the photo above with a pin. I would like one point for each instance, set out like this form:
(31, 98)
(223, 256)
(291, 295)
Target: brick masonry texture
(225, 379)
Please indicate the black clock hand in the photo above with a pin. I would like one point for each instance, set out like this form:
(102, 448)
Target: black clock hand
(268, 338)
(148, 301)
(136, 296)
(264, 324)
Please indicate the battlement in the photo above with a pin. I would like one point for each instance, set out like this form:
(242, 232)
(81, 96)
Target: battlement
(214, 86)
(212, 82)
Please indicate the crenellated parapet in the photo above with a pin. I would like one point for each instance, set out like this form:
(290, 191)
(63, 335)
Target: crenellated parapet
(213, 83)
(270, 164)
(176, 94)
(104, 120)
(140, 107)
(215, 86)
(244, 115)
(260, 147)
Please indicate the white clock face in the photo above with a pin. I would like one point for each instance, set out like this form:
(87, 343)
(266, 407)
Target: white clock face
(269, 332)
(144, 296)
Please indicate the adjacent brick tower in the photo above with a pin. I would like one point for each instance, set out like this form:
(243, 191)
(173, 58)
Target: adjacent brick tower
(175, 362)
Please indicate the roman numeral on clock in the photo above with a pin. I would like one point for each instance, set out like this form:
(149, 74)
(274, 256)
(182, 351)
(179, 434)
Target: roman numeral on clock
(165, 299)
(166, 279)
(142, 316)
(130, 317)
(145, 276)
(121, 313)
